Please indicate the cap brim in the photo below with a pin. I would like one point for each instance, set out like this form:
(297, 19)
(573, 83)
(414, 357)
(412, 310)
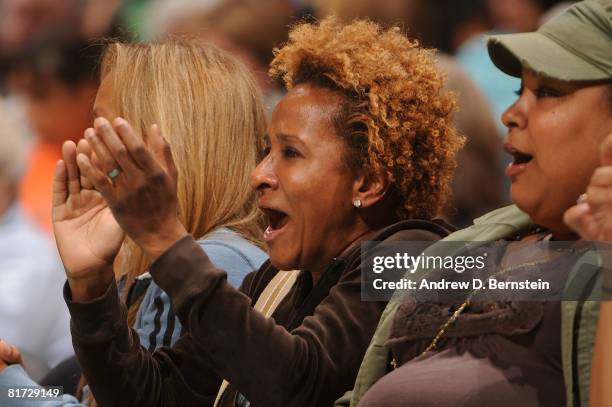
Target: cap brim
(537, 52)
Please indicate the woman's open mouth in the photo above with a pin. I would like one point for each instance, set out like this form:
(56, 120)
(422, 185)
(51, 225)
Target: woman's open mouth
(519, 162)
(277, 221)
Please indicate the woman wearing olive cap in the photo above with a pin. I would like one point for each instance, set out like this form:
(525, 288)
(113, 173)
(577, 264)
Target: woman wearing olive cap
(515, 353)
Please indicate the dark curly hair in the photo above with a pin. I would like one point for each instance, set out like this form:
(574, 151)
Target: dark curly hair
(396, 119)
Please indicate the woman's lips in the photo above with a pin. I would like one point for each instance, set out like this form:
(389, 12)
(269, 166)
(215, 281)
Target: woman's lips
(520, 160)
(277, 223)
(514, 169)
(270, 233)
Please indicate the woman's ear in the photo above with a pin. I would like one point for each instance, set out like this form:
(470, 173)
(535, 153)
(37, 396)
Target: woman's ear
(369, 189)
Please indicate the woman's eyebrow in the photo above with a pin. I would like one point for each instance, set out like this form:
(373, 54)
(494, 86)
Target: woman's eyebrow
(288, 137)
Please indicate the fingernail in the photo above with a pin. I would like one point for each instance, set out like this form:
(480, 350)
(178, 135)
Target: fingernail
(583, 207)
(101, 122)
(119, 122)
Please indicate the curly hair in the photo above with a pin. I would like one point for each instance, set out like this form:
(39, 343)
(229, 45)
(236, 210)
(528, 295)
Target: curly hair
(396, 119)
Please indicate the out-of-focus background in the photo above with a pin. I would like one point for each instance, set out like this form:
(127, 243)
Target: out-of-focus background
(49, 61)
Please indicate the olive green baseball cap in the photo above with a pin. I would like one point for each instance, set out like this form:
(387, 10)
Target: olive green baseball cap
(573, 46)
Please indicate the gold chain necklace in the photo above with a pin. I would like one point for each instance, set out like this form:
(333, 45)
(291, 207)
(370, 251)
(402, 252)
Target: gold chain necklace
(463, 306)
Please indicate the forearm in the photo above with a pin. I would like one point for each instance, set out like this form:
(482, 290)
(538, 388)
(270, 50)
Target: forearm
(122, 373)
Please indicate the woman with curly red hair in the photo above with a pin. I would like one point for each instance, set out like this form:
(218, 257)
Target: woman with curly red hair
(361, 148)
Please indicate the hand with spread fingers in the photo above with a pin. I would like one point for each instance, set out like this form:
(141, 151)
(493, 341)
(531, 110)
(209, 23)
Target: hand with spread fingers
(9, 355)
(591, 217)
(137, 181)
(87, 236)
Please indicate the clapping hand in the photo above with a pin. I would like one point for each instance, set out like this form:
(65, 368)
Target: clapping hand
(87, 235)
(137, 181)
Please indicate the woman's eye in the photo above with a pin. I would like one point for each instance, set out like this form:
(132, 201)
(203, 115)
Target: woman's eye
(519, 91)
(290, 152)
(546, 93)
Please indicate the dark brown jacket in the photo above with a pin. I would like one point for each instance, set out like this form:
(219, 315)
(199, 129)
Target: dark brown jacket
(308, 354)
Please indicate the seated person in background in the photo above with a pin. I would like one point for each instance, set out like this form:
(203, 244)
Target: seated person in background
(31, 317)
(361, 148)
(216, 131)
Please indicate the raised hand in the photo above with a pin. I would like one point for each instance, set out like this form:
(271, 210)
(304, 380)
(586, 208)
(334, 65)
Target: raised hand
(592, 218)
(86, 233)
(142, 192)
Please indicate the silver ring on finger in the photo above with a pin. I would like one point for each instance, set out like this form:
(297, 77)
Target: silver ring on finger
(114, 173)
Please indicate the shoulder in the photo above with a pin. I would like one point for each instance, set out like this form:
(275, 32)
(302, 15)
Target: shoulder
(510, 215)
(228, 243)
(495, 225)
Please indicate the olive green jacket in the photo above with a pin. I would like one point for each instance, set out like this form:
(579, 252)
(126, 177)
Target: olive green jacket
(579, 318)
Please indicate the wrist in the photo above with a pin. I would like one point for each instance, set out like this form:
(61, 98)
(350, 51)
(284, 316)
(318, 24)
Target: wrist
(86, 288)
(156, 244)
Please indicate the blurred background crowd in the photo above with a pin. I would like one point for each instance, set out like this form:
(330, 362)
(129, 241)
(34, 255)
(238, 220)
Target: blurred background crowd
(49, 60)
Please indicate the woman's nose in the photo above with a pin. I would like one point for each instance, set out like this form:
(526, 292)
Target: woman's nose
(264, 175)
(515, 116)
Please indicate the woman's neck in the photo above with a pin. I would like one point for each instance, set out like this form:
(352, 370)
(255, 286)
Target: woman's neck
(354, 238)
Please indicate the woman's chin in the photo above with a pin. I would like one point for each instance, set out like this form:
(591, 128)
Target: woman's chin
(546, 216)
(283, 263)
(525, 198)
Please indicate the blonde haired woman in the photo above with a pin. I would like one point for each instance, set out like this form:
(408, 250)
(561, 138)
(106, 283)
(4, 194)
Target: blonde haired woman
(210, 109)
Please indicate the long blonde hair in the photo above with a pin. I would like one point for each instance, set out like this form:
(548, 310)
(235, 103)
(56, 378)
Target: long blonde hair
(210, 111)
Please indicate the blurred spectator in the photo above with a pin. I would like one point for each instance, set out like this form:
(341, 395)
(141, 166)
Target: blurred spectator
(479, 180)
(57, 79)
(248, 29)
(518, 15)
(99, 15)
(499, 88)
(23, 20)
(33, 316)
